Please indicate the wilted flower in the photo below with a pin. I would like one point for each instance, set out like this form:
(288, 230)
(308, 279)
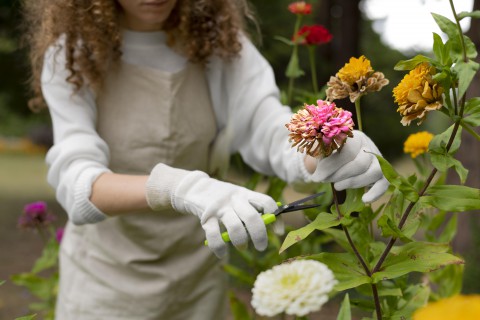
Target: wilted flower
(417, 143)
(355, 79)
(460, 307)
(35, 215)
(321, 129)
(296, 288)
(300, 7)
(313, 35)
(417, 94)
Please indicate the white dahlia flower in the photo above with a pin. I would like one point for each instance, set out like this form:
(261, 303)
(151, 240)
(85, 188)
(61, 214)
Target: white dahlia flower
(296, 288)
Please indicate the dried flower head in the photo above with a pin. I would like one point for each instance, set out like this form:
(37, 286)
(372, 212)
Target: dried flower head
(319, 130)
(355, 79)
(460, 307)
(313, 35)
(417, 94)
(300, 7)
(296, 288)
(35, 215)
(417, 143)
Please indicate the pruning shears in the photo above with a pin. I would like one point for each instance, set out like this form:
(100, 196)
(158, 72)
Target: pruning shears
(282, 208)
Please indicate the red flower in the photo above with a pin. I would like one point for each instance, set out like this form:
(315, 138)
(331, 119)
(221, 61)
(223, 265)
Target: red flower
(35, 215)
(313, 35)
(300, 7)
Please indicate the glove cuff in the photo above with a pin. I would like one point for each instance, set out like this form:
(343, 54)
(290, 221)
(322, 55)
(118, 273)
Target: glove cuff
(161, 185)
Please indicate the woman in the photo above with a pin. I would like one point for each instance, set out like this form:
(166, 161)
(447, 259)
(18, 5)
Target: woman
(148, 99)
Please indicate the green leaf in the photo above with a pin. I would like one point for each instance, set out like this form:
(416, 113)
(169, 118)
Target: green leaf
(37, 285)
(444, 161)
(348, 271)
(49, 257)
(293, 68)
(353, 202)
(239, 274)
(446, 25)
(449, 231)
(345, 313)
(438, 46)
(284, 40)
(411, 63)
(465, 73)
(390, 229)
(323, 220)
(415, 257)
(457, 48)
(473, 14)
(448, 280)
(398, 181)
(30, 317)
(472, 112)
(440, 141)
(238, 308)
(452, 198)
(414, 297)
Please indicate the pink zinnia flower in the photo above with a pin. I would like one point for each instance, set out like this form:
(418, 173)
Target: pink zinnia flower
(35, 215)
(300, 7)
(320, 129)
(313, 35)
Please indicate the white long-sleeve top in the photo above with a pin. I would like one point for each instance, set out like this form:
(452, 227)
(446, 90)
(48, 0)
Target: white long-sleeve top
(245, 98)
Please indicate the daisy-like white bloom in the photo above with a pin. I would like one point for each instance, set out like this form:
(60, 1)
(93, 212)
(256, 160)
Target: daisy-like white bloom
(417, 143)
(417, 94)
(320, 129)
(295, 288)
(355, 79)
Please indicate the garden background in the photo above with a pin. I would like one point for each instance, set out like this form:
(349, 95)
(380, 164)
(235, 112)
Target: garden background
(25, 136)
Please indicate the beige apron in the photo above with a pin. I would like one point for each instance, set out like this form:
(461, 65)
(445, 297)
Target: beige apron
(146, 265)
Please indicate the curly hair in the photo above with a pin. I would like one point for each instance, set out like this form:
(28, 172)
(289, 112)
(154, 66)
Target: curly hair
(200, 28)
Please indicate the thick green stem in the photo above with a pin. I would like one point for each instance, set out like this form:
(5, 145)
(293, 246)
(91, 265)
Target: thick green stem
(291, 79)
(460, 32)
(359, 115)
(313, 68)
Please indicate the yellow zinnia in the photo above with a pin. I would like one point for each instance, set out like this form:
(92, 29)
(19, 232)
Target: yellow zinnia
(460, 307)
(355, 79)
(417, 94)
(417, 143)
(355, 69)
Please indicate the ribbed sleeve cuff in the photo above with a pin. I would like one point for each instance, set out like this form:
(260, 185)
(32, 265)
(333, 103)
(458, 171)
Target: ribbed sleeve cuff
(84, 210)
(161, 184)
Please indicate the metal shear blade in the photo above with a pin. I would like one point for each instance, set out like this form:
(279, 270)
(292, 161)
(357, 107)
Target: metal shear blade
(298, 204)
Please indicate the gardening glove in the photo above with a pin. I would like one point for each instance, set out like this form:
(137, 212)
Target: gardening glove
(214, 202)
(354, 166)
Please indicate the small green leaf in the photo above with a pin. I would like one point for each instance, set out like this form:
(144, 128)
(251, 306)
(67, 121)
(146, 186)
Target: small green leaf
(411, 63)
(414, 297)
(293, 68)
(440, 141)
(353, 202)
(472, 112)
(448, 280)
(473, 14)
(238, 308)
(457, 53)
(390, 229)
(415, 257)
(323, 221)
(452, 198)
(346, 268)
(446, 25)
(284, 40)
(345, 313)
(398, 181)
(465, 73)
(444, 161)
(49, 257)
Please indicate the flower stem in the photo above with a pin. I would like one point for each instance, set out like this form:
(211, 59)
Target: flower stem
(462, 41)
(470, 130)
(359, 115)
(313, 68)
(358, 255)
(291, 79)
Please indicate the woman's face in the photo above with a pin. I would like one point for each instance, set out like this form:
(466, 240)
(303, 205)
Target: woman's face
(145, 15)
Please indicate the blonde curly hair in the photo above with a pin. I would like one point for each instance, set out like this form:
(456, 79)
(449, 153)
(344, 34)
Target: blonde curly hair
(200, 28)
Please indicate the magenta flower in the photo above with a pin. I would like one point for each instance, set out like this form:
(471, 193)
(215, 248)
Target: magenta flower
(59, 234)
(35, 215)
(320, 129)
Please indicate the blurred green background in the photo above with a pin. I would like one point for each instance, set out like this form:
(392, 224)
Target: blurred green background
(25, 136)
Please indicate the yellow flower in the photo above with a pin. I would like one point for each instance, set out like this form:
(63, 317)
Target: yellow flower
(355, 79)
(418, 94)
(460, 307)
(417, 143)
(355, 69)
